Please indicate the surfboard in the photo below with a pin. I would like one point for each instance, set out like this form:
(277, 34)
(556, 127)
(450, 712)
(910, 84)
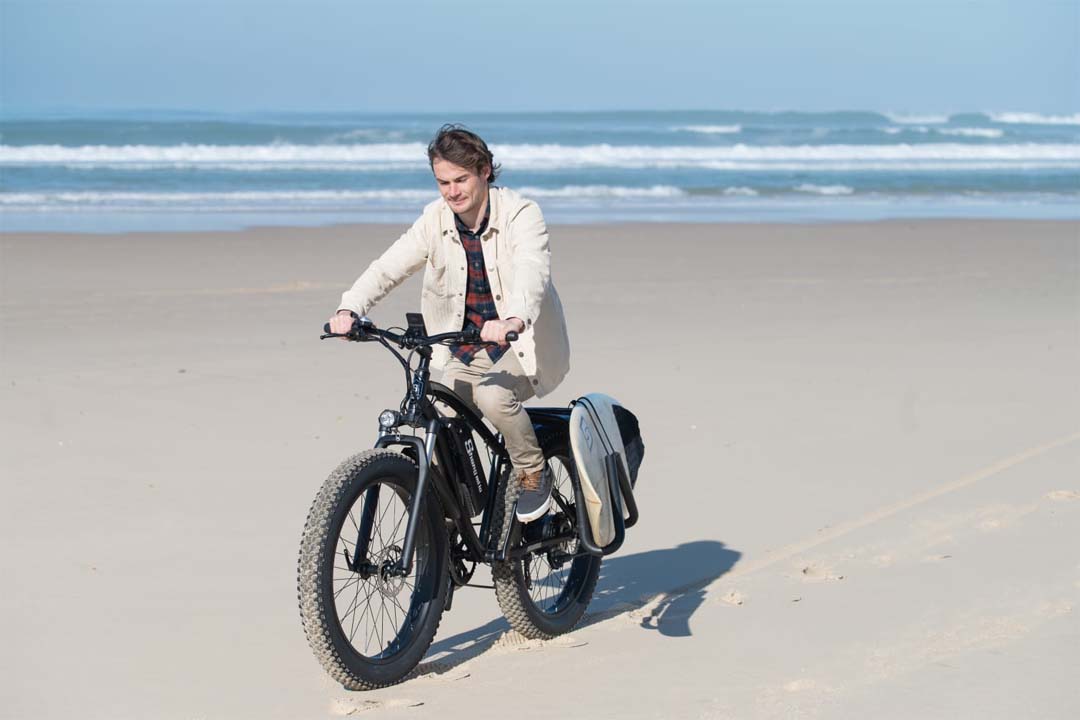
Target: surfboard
(594, 435)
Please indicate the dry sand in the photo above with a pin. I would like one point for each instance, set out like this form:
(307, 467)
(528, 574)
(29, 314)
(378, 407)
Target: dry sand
(860, 496)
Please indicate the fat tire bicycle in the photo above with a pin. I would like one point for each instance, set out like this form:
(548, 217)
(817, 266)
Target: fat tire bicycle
(396, 529)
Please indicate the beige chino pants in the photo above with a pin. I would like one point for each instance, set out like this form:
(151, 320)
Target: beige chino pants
(497, 392)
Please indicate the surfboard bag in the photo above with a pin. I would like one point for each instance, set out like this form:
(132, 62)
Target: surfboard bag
(605, 439)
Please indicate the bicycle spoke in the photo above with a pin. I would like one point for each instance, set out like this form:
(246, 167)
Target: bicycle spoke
(397, 602)
(358, 619)
(389, 616)
(378, 624)
(356, 528)
(368, 637)
(352, 608)
(350, 581)
(393, 533)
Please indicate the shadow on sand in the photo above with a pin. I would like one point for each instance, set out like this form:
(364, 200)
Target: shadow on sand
(672, 580)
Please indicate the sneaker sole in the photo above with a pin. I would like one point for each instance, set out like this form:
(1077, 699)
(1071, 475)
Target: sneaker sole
(535, 514)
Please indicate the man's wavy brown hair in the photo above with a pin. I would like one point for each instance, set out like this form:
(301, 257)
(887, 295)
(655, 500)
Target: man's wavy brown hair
(459, 145)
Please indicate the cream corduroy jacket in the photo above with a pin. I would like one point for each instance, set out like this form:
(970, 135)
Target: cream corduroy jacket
(518, 268)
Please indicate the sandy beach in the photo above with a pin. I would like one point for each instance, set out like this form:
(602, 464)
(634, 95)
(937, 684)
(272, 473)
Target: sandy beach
(860, 495)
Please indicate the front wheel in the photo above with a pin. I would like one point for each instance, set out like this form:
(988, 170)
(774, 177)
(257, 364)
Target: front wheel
(368, 627)
(545, 593)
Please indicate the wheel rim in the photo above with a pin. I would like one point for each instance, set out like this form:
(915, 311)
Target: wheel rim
(378, 615)
(553, 587)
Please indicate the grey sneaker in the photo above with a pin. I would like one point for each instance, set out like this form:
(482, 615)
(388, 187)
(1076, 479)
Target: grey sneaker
(535, 497)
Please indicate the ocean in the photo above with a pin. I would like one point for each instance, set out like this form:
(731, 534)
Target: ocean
(189, 171)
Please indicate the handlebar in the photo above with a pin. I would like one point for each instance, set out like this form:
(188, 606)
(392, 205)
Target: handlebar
(363, 330)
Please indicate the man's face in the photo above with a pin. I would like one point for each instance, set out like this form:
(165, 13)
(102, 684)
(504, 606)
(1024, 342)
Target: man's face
(463, 189)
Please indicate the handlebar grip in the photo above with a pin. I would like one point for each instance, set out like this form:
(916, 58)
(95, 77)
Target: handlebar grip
(326, 328)
(472, 335)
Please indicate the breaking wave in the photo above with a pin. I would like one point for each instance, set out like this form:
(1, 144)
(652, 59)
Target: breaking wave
(316, 198)
(825, 189)
(1026, 118)
(412, 156)
(710, 129)
(930, 119)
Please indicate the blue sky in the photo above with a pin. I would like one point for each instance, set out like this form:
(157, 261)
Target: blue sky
(476, 55)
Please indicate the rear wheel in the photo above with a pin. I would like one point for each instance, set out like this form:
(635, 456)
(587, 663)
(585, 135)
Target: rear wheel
(368, 627)
(546, 593)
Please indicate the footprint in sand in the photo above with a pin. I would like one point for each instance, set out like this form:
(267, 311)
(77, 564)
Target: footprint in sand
(733, 597)
(513, 640)
(441, 671)
(347, 707)
(996, 517)
(817, 572)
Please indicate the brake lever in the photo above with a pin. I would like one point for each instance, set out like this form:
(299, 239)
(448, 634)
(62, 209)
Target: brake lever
(360, 324)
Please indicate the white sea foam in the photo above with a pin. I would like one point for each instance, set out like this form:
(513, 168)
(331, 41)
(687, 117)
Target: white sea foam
(593, 192)
(972, 132)
(740, 191)
(171, 155)
(710, 129)
(320, 198)
(367, 134)
(199, 198)
(825, 189)
(1027, 118)
(412, 156)
(957, 132)
(903, 119)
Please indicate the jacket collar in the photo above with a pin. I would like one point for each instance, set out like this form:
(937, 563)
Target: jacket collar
(494, 211)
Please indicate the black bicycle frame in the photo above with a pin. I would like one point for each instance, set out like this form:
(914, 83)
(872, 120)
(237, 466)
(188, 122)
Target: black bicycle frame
(435, 450)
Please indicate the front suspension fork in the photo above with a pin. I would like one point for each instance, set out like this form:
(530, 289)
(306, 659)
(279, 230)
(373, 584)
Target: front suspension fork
(359, 561)
(403, 566)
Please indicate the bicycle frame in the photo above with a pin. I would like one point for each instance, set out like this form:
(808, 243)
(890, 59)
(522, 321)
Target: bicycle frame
(420, 411)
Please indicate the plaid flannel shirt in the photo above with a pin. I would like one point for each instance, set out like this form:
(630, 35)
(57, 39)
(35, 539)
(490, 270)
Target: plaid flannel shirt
(479, 303)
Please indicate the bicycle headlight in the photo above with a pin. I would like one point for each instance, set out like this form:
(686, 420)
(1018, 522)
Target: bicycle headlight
(388, 419)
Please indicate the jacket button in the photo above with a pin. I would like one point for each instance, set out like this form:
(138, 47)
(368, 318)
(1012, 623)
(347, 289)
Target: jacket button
(498, 297)
(521, 354)
(535, 381)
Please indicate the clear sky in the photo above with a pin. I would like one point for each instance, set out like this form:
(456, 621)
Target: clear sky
(483, 55)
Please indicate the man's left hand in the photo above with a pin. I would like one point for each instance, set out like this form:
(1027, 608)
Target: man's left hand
(495, 330)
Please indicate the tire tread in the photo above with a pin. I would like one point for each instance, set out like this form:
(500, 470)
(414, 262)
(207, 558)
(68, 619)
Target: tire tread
(317, 625)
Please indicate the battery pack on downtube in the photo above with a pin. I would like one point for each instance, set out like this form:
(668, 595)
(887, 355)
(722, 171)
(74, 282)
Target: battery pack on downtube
(470, 473)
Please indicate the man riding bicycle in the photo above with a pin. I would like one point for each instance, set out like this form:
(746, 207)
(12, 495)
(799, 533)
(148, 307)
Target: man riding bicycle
(488, 266)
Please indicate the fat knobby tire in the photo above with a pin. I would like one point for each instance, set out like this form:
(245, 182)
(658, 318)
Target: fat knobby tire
(315, 591)
(510, 590)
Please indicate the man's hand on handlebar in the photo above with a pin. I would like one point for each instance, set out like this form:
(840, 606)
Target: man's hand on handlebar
(342, 322)
(495, 330)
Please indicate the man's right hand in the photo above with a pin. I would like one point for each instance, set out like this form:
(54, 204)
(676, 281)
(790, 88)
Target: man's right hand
(342, 322)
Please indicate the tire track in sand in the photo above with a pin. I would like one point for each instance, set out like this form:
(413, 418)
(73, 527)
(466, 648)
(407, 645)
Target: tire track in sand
(800, 547)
